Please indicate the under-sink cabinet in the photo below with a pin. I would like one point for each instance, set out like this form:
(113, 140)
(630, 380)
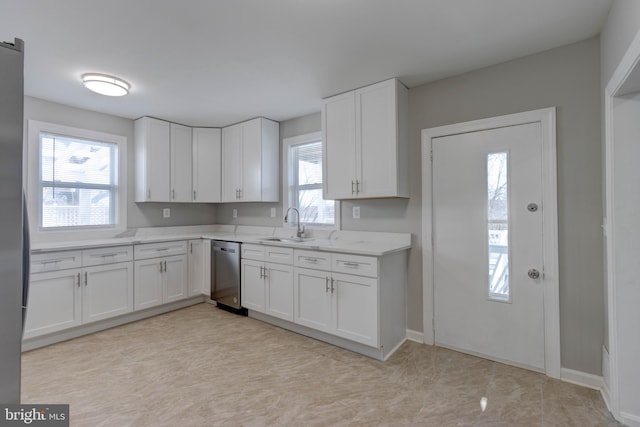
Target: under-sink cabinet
(70, 288)
(160, 273)
(350, 300)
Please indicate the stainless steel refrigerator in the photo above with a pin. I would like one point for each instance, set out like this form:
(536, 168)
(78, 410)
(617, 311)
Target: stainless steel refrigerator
(14, 240)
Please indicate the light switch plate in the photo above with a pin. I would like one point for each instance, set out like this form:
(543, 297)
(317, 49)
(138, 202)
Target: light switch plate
(273, 212)
(234, 213)
(166, 213)
(356, 212)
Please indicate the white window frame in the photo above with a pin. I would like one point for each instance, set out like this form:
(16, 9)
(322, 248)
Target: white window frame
(287, 143)
(35, 128)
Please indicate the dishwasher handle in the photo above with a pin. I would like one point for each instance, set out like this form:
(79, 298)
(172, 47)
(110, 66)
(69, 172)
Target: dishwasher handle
(227, 250)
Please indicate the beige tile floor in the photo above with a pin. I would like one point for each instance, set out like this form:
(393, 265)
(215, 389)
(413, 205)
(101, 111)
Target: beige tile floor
(201, 366)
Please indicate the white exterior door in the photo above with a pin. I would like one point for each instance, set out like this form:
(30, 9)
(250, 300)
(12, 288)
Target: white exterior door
(488, 244)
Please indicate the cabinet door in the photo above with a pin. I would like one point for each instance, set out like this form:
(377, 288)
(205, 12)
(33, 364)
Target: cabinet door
(54, 302)
(181, 158)
(231, 163)
(252, 293)
(376, 140)
(312, 299)
(356, 308)
(153, 164)
(339, 150)
(107, 291)
(196, 267)
(251, 180)
(175, 278)
(207, 165)
(148, 275)
(279, 302)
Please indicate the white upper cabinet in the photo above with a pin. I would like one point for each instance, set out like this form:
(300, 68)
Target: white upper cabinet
(153, 160)
(251, 161)
(181, 159)
(206, 165)
(365, 142)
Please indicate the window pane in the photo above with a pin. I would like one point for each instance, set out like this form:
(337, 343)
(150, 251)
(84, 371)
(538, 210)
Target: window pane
(77, 181)
(65, 159)
(498, 226)
(315, 210)
(309, 163)
(68, 207)
(305, 184)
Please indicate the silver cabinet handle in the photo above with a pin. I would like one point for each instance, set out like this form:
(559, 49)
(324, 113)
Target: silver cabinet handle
(191, 249)
(357, 186)
(352, 184)
(78, 279)
(351, 264)
(332, 288)
(173, 194)
(165, 266)
(148, 193)
(194, 195)
(160, 266)
(86, 278)
(309, 259)
(326, 285)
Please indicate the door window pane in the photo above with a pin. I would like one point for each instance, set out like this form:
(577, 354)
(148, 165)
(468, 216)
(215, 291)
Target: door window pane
(498, 225)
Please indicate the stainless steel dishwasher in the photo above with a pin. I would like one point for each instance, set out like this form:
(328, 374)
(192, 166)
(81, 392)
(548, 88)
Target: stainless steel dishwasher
(225, 275)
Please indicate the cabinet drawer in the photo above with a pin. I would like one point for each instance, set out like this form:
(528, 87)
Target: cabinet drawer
(250, 251)
(354, 264)
(54, 261)
(162, 249)
(312, 259)
(278, 254)
(110, 255)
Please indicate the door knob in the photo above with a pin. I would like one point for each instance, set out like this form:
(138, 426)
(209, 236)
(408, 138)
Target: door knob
(533, 273)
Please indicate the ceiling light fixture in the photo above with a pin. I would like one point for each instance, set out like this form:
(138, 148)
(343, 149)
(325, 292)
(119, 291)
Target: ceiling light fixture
(105, 84)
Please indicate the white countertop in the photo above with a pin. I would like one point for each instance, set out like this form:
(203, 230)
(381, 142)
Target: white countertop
(354, 242)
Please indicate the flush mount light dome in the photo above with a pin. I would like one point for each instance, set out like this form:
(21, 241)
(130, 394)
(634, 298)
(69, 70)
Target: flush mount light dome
(105, 84)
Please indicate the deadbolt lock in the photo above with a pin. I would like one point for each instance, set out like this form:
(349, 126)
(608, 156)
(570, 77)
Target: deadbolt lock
(532, 207)
(533, 273)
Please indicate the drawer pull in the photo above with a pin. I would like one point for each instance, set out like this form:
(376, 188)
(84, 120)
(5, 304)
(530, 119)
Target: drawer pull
(113, 254)
(352, 264)
(309, 259)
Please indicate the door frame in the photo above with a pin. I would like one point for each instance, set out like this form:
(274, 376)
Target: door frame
(547, 118)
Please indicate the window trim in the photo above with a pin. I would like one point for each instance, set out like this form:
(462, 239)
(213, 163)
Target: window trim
(38, 233)
(287, 143)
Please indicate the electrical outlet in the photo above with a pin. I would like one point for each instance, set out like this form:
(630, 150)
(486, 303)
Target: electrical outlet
(235, 213)
(166, 213)
(356, 212)
(273, 212)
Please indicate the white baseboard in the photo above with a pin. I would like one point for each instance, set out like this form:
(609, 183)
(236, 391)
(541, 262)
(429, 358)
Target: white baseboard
(630, 420)
(416, 336)
(582, 379)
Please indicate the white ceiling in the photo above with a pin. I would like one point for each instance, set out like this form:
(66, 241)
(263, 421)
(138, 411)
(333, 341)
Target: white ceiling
(217, 62)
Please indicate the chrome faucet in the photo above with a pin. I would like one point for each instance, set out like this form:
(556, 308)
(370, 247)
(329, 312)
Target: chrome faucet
(300, 231)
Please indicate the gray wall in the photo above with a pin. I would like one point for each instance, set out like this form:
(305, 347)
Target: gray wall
(567, 78)
(621, 27)
(138, 214)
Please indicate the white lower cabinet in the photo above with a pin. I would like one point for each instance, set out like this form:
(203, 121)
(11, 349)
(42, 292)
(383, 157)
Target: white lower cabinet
(54, 302)
(99, 286)
(107, 291)
(159, 280)
(340, 304)
(198, 282)
(267, 287)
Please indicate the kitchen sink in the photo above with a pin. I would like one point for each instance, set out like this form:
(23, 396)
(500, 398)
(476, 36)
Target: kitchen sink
(285, 239)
